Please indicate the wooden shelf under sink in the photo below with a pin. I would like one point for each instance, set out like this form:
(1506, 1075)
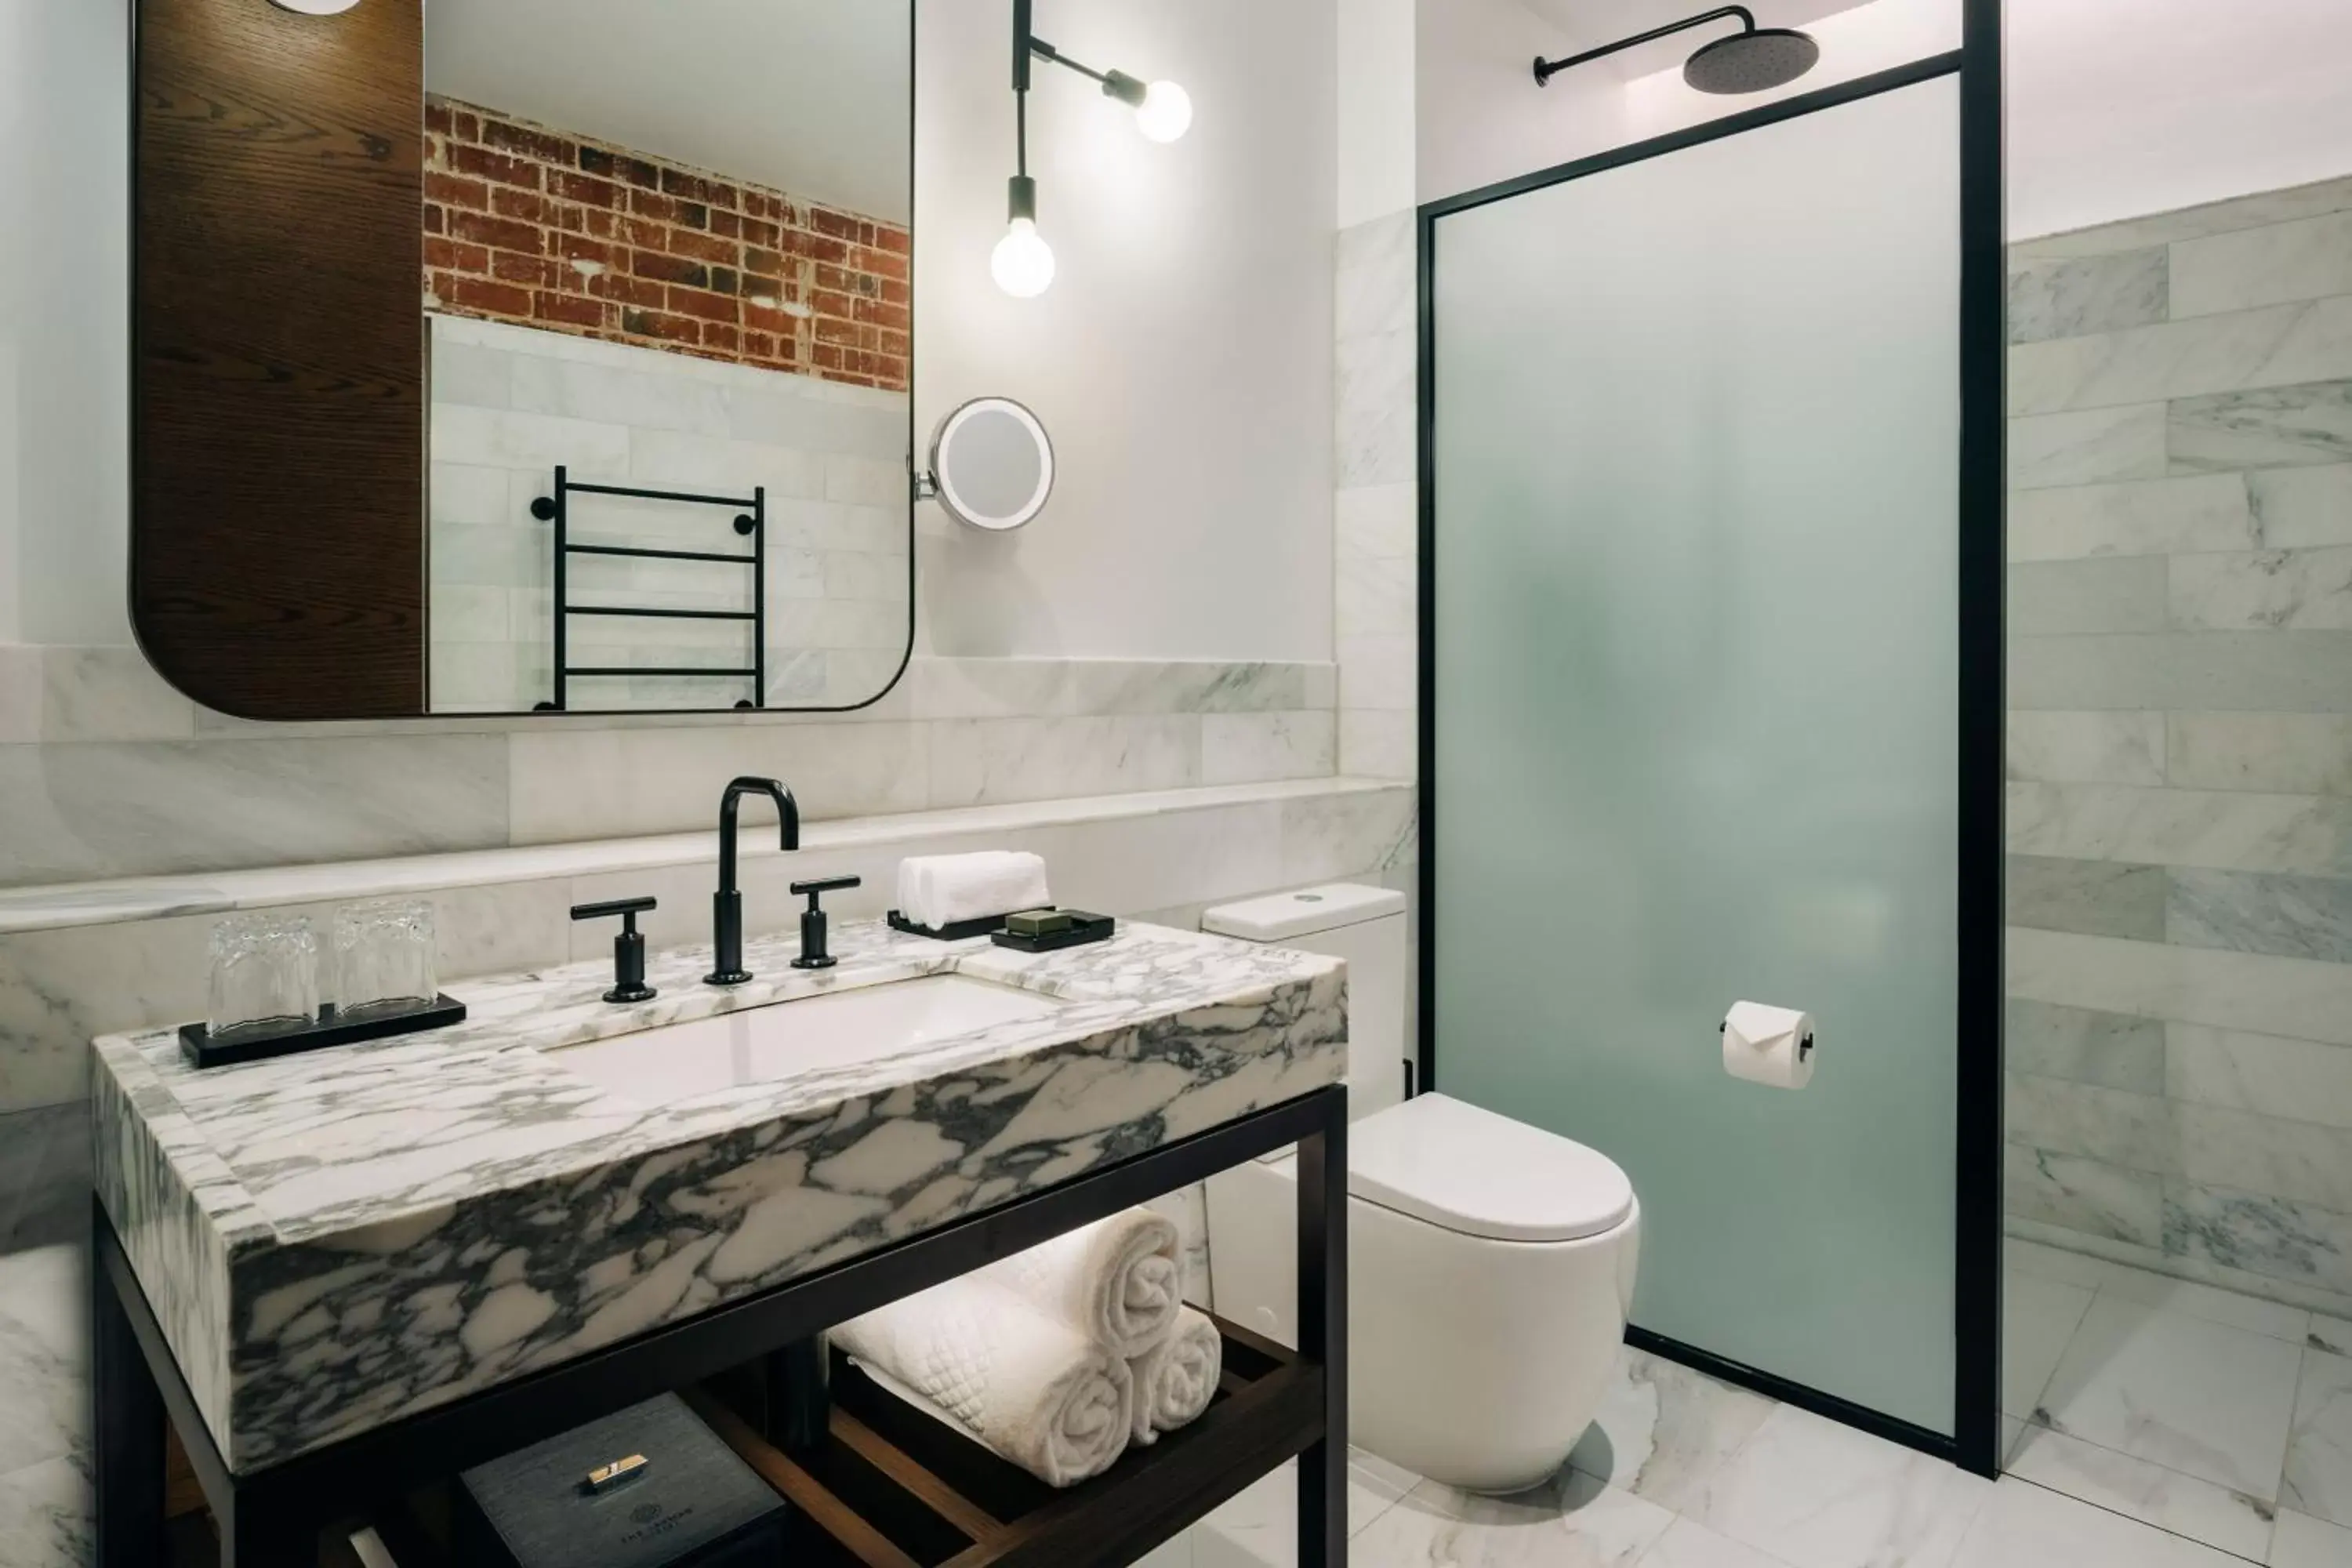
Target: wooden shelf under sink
(893, 1486)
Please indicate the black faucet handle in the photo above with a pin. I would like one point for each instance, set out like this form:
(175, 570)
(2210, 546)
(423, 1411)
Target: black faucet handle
(628, 908)
(628, 947)
(812, 949)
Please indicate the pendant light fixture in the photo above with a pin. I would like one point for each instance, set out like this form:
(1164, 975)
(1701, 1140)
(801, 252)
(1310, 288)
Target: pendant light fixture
(1023, 263)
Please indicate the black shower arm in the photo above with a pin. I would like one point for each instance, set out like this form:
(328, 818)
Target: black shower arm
(1546, 69)
(1027, 45)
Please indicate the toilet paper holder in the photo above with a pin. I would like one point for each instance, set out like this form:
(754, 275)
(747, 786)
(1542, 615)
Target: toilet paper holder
(1804, 1047)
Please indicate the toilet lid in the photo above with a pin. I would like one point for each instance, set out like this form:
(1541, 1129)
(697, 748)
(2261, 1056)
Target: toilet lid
(1478, 1173)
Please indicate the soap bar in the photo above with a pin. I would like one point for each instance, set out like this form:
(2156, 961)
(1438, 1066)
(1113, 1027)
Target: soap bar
(1038, 922)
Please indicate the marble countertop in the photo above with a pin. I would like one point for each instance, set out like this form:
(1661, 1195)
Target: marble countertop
(336, 1239)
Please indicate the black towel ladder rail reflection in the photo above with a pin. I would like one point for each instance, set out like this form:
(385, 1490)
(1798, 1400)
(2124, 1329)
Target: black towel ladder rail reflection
(753, 523)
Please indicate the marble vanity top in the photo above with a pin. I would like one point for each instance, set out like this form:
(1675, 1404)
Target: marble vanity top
(336, 1239)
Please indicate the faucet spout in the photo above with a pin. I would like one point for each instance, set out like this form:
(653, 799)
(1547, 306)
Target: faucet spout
(727, 905)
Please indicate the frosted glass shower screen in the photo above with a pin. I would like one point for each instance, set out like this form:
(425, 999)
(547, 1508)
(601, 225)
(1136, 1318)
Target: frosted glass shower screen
(1696, 484)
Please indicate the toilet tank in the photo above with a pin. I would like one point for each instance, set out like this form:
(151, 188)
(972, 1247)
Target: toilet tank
(1365, 926)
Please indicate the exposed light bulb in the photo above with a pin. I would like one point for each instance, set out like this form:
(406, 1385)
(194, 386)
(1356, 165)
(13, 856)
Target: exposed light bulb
(316, 7)
(1166, 111)
(1023, 263)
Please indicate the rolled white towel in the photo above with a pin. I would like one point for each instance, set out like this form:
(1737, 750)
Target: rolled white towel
(1031, 1388)
(1175, 1379)
(1118, 1281)
(939, 891)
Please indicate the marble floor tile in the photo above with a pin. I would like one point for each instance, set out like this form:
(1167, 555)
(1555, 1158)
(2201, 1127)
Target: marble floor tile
(1688, 1545)
(2319, 1452)
(2332, 1334)
(1664, 1430)
(1259, 1529)
(46, 1518)
(2207, 1400)
(2025, 1526)
(1819, 1495)
(2300, 1541)
(2153, 1495)
(2046, 1262)
(2038, 1317)
(2275, 1319)
(1574, 1522)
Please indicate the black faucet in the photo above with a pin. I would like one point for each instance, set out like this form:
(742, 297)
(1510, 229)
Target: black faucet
(727, 905)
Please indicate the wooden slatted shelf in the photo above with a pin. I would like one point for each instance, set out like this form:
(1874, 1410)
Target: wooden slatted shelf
(893, 1486)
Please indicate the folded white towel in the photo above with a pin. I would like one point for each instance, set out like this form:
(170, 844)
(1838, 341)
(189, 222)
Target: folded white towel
(1175, 1379)
(939, 891)
(1031, 1388)
(1118, 1281)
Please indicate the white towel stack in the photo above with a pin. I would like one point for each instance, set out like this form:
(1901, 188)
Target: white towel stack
(936, 891)
(1058, 1357)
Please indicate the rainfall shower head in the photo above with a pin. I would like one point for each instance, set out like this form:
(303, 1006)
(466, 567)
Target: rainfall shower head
(1750, 60)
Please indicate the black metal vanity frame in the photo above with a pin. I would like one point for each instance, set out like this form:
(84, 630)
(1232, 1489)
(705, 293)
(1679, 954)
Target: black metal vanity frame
(270, 1518)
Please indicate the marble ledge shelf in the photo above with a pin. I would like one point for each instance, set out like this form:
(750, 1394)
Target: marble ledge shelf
(65, 905)
(335, 1240)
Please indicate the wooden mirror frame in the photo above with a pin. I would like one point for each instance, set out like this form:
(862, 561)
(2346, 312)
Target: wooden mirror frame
(277, 345)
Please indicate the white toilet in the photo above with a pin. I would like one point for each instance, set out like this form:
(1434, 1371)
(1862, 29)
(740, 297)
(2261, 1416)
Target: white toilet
(1491, 1262)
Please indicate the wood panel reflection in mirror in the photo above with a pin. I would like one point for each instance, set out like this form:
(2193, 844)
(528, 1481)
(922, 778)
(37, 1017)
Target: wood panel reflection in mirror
(664, 260)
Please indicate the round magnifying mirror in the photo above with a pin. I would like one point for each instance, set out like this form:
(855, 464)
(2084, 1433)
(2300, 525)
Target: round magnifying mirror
(992, 464)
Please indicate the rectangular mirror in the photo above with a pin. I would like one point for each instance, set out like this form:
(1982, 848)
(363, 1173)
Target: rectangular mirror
(503, 356)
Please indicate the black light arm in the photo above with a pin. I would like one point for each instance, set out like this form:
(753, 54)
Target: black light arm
(1545, 69)
(1027, 45)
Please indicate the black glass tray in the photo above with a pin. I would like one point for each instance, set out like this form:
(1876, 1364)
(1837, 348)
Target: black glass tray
(196, 1042)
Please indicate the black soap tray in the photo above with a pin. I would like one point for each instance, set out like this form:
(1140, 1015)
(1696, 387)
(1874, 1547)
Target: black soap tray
(1084, 928)
(196, 1042)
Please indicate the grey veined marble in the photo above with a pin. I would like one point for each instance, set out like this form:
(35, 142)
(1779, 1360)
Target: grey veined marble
(338, 1239)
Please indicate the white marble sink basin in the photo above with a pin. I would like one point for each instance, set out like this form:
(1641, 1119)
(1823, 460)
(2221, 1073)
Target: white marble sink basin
(761, 1044)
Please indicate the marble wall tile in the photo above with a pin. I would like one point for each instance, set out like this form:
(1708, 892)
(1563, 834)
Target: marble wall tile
(2293, 590)
(2133, 1130)
(502, 438)
(976, 762)
(110, 694)
(2112, 1049)
(2125, 748)
(1376, 277)
(2228, 830)
(2284, 753)
(2304, 258)
(2145, 517)
(1382, 673)
(2250, 1152)
(1051, 687)
(1336, 835)
(2280, 346)
(639, 399)
(1377, 408)
(2258, 1238)
(2298, 917)
(2084, 1196)
(46, 1517)
(2102, 445)
(2191, 223)
(98, 809)
(2101, 594)
(2100, 897)
(2302, 1080)
(1382, 522)
(2289, 996)
(20, 694)
(2298, 509)
(2070, 296)
(44, 1355)
(1375, 596)
(2259, 671)
(1250, 748)
(1379, 743)
(2285, 427)
(571, 784)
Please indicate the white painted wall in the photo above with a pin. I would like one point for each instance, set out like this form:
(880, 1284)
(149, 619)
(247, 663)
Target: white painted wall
(1480, 117)
(1376, 109)
(2122, 108)
(64, 321)
(1183, 358)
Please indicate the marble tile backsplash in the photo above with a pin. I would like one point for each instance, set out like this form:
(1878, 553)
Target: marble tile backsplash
(107, 772)
(2180, 742)
(1376, 511)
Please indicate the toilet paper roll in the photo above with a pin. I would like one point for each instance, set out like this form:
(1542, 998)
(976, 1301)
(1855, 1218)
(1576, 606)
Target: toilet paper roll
(1769, 1044)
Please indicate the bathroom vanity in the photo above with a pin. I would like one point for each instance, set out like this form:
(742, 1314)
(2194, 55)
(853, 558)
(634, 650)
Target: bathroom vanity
(351, 1272)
